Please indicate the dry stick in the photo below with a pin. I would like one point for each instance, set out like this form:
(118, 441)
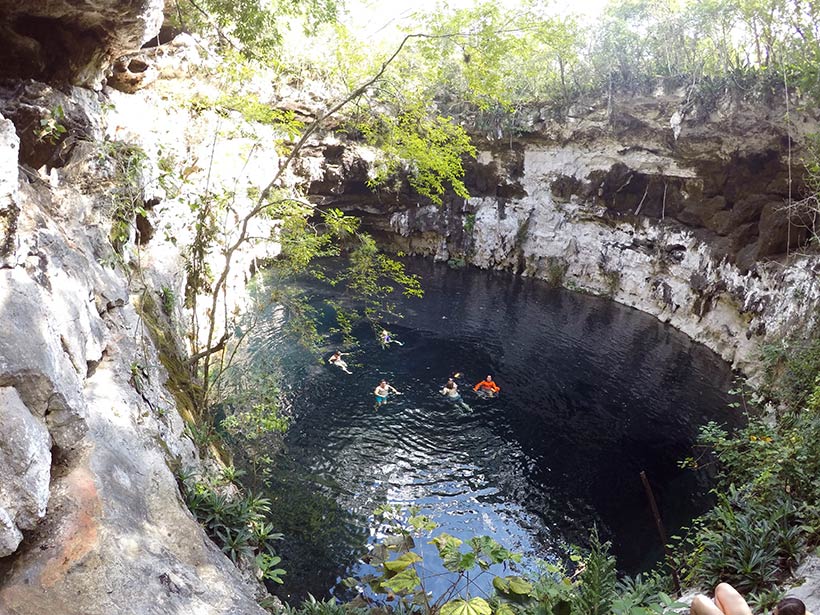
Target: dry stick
(643, 198)
(659, 525)
(663, 207)
(789, 134)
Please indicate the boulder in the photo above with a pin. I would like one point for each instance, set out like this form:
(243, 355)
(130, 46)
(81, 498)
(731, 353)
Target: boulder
(25, 470)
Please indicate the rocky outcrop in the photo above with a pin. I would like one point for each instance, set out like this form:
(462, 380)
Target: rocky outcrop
(72, 41)
(90, 433)
(25, 455)
(681, 219)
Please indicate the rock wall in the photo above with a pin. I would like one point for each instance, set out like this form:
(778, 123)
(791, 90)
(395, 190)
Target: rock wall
(678, 216)
(91, 517)
(72, 41)
(89, 431)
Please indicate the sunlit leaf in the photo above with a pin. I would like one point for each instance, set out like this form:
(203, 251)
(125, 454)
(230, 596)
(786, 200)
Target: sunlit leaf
(475, 606)
(401, 563)
(404, 582)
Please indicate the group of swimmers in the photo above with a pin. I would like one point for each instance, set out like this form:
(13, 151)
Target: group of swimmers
(385, 339)
(485, 388)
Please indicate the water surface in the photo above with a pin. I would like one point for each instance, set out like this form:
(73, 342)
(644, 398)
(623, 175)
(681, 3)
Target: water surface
(592, 394)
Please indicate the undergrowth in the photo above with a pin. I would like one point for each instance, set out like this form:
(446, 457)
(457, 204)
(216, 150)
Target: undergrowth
(237, 521)
(767, 516)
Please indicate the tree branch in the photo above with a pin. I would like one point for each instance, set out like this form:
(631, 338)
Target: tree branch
(220, 345)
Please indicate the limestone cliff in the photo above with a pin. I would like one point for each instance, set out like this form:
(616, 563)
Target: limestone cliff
(91, 517)
(679, 215)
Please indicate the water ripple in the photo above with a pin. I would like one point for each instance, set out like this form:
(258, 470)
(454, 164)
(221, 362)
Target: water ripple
(592, 393)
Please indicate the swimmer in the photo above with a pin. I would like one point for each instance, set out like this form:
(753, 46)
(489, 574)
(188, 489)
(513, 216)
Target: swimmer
(381, 392)
(386, 338)
(450, 391)
(487, 388)
(337, 360)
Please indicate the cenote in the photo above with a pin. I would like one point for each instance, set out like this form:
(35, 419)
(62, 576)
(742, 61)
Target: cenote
(592, 394)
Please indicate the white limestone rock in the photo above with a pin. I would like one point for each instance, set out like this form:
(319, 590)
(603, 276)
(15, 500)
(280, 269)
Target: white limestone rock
(25, 470)
(9, 148)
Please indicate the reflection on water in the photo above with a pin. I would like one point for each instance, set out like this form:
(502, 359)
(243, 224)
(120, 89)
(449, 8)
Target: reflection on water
(592, 393)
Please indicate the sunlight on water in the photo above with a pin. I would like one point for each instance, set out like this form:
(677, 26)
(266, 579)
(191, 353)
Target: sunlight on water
(592, 393)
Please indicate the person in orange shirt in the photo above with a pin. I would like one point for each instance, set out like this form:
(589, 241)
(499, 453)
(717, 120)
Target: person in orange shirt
(487, 387)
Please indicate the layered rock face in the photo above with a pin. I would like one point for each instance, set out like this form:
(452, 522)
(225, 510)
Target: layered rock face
(89, 431)
(72, 41)
(681, 217)
(91, 517)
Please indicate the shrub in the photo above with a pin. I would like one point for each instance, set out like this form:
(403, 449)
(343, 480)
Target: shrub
(236, 522)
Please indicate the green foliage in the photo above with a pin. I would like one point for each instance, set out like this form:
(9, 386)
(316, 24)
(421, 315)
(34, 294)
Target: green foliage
(469, 223)
(431, 147)
(253, 110)
(126, 165)
(50, 128)
(254, 26)
(768, 483)
(363, 285)
(403, 575)
(236, 521)
(557, 270)
(591, 590)
(253, 408)
(793, 369)
(749, 543)
(198, 274)
(493, 56)
(597, 582)
(168, 300)
(311, 606)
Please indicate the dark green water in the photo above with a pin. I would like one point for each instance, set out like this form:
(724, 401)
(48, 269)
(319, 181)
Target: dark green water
(592, 393)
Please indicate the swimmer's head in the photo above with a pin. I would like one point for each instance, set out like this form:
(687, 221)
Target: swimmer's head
(489, 378)
(383, 382)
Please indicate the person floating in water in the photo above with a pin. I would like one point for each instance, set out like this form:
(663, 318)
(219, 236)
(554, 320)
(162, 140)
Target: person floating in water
(386, 338)
(381, 392)
(487, 388)
(337, 360)
(450, 391)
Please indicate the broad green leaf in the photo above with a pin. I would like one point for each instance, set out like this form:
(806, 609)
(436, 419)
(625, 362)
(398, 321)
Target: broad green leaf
(520, 586)
(467, 561)
(404, 582)
(444, 540)
(401, 563)
(476, 606)
(505, 609)
(512, 585)
(378, 555)
(400, 542)
(448, 550)
(422, 523)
